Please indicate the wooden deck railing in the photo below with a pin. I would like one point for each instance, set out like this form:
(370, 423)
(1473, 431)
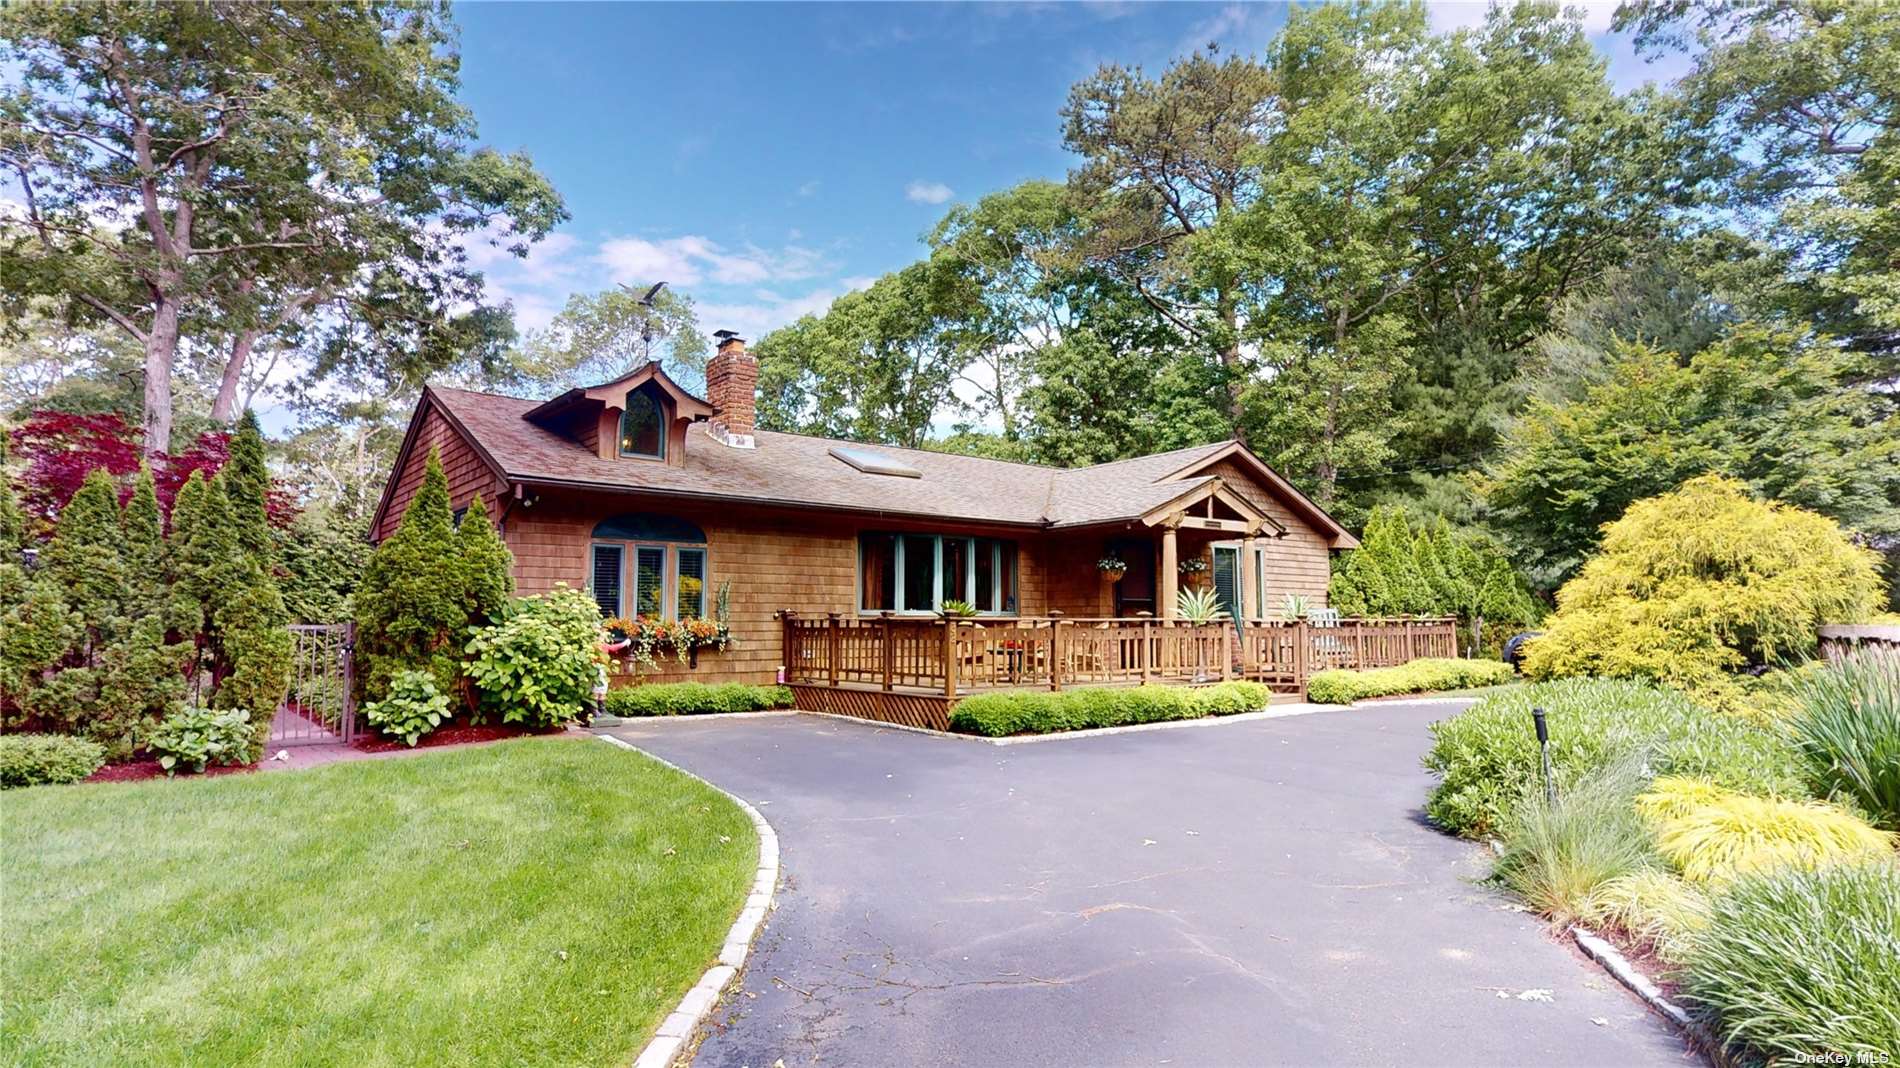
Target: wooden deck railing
(956, 656)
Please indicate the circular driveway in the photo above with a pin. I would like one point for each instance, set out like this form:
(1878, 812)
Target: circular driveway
(1238, 893)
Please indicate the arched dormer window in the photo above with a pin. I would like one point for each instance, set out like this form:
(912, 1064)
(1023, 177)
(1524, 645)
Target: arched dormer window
(643, 423)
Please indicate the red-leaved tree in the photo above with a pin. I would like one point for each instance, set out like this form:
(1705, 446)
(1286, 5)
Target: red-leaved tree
(60, 449)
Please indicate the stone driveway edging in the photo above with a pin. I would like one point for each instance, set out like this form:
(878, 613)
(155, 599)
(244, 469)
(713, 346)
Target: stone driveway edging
(1600, 950)
(684, 1020)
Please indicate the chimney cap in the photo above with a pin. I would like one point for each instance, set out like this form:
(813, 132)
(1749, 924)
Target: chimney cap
(727, 335)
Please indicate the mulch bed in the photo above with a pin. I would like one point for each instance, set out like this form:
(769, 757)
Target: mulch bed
(452, 734)
(134, 770)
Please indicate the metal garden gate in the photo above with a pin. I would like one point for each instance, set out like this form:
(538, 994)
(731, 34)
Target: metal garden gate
(319, 706)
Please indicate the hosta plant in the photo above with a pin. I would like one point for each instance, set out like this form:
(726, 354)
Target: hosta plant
(412, 708)
(195, 737)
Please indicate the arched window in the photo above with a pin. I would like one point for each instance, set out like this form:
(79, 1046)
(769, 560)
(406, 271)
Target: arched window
(649, 565)
(643, 423)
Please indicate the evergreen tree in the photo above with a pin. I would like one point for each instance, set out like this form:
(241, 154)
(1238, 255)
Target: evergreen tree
(12, 521)
(142, 541)
(188, 570)
(411, 609)
(83, 559)
(323, 554)
(13, 583)
(487, 565)
(251, 647)
(247, 485)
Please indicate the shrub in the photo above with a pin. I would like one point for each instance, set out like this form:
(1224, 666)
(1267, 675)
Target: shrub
(1000, 714)
(1701, 581)
(1713, 835)
(1654, 908)
(1233, 697)
(1846, 732)
(1796, 961)
(195, 737)
(413, 707)
(693, 698)
(538, 666)
(1557, 857)
(1486, 757)
(424, 587)
(35, 759)
(1420, 676)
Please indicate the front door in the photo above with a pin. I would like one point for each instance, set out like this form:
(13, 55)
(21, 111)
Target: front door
(1135, 593)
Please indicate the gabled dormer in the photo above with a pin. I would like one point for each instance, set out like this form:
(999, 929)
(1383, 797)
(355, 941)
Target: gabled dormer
(639, 417)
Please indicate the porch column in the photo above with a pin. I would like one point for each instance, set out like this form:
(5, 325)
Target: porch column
(1170, 575)
(1245, 576)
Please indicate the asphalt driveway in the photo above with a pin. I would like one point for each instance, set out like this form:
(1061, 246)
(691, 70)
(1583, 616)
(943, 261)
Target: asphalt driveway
(1249, 893)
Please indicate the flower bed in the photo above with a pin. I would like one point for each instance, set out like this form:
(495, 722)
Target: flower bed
(1742, 869)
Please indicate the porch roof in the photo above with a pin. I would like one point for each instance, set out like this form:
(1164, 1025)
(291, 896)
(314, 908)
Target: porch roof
(800, 470)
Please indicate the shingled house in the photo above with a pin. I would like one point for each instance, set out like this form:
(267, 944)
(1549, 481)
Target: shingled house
(838, 558)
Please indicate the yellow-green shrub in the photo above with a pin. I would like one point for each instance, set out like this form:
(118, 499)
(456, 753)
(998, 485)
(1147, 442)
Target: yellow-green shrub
(1699, 582)
(1712, 835)
(1654, 908)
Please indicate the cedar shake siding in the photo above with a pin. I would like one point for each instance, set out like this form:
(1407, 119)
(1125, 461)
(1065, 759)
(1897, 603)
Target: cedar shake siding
(781, 515)
(467, 472)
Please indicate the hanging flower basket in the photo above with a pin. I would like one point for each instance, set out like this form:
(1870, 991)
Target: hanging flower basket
(1112, 568)
(1193, 565)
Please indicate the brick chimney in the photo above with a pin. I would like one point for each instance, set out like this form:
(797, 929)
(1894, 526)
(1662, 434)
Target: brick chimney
(732, 380)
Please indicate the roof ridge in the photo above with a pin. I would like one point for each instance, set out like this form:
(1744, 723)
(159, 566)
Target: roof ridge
(1167, 452)
(914, 448)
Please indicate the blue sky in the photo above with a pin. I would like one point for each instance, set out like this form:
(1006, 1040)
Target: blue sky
(766, 158)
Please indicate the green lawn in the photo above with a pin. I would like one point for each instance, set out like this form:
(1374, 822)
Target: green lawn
(542, 901)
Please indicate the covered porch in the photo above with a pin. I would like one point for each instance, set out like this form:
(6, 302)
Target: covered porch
(912, 670)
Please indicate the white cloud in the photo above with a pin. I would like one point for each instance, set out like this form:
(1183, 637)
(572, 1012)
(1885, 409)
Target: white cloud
(1238, 28)
(693, 259)
(768, 310)
(922, 192)
(809, 189)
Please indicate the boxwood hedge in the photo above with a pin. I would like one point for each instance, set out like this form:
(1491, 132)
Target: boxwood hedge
(36, 759)
(694, 698)
(1419, 676)
(1030, 712)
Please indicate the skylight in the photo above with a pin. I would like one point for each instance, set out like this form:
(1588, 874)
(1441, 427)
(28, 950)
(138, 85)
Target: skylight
(874, 463)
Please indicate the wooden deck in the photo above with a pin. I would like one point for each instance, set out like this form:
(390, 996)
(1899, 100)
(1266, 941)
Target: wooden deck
(912, 671)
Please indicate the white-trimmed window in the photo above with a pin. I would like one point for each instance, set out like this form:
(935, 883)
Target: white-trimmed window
(649, 565)
(918, 573)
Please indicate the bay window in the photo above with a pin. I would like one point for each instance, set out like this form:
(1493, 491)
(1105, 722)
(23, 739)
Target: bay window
(918, 573)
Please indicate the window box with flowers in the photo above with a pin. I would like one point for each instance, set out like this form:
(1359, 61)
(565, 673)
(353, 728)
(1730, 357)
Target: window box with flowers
(640, 640)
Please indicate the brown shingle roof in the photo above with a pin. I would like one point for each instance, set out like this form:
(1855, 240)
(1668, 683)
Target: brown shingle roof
(798, 469)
